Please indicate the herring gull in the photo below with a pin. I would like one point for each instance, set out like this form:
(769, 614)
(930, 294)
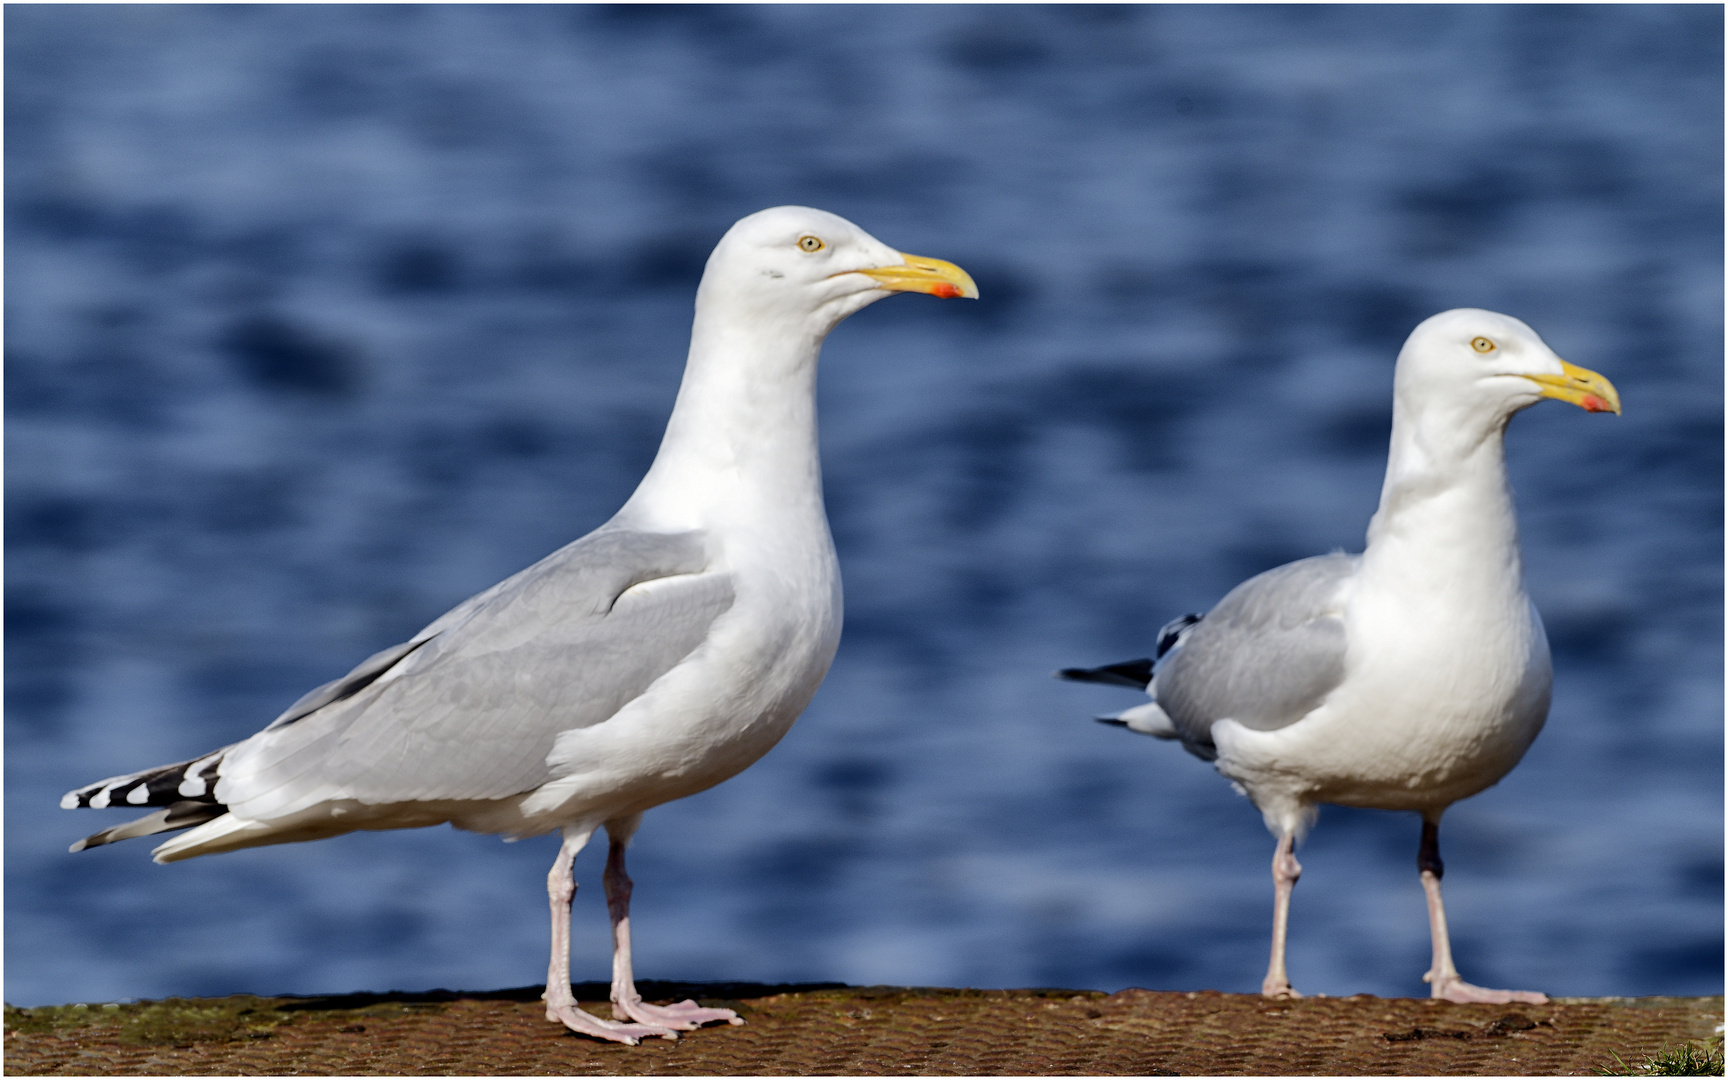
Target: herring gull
(1407, 677)
(653, 658)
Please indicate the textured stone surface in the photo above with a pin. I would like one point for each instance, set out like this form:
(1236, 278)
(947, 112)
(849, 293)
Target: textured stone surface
(828, 1030)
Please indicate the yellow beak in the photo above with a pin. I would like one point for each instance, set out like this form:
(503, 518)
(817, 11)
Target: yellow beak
(1581, 386)
(923, 275)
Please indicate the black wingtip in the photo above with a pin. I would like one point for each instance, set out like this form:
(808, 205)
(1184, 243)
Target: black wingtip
(1132, 673)
(1173, 632)
(1113, 721)
(182, 815)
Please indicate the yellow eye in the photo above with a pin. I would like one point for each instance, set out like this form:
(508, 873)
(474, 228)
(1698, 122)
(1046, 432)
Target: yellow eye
(1482, 345)
(810, 243)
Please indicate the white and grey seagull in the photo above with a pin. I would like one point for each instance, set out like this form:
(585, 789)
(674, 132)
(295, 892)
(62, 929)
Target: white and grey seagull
(653, 658)
(1407, 677)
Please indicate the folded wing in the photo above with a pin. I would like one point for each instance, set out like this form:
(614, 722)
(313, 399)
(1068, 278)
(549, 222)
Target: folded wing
(468, 708)
(1266, 656)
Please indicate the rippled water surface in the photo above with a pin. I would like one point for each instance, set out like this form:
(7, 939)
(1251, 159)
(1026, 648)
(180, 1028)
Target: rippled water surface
(320, 319)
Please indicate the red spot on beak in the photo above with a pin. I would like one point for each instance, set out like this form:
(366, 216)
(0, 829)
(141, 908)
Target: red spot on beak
(1592, 403)
(947, 291)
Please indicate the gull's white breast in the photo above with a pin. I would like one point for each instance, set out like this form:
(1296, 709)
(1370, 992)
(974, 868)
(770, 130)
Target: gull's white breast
(717, 712)
(1442, 695)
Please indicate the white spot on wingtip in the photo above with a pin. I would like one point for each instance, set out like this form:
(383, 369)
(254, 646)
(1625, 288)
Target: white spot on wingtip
(100, 799)
(139, 795)
(69, 801)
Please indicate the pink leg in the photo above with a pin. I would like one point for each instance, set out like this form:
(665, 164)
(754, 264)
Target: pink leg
(627, 1004)
(1285, 871)
(1442, 975)
(560, 1001)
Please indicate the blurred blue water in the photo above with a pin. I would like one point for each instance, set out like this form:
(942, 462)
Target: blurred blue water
(320, 319)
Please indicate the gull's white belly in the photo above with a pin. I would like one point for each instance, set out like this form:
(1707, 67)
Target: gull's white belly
(1426, 715)
(703, 722)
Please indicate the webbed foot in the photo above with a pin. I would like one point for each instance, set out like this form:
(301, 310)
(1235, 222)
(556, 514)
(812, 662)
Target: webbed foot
(586, 1023)
(1456, 989)
(684, 1016)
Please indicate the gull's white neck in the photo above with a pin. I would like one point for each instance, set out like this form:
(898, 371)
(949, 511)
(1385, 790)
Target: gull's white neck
(1445, 523)
(740, 450)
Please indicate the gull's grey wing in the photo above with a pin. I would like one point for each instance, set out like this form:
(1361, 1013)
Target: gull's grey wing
(1265, 656)
(364, 674)
(469, 708)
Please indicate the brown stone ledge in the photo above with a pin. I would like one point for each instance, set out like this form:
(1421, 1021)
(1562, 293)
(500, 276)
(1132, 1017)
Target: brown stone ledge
(829, 1029)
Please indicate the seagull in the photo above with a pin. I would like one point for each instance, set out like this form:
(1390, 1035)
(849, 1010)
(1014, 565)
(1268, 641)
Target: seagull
(651, 659)
(1407, 677)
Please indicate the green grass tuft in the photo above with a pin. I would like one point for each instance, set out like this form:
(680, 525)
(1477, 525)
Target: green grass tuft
(1688, 1059)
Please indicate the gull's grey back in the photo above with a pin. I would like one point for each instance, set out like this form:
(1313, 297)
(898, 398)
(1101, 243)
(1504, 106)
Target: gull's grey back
(470, 707)
(1265, 656)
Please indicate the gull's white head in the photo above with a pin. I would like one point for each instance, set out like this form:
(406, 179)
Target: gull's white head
(1472, 369)
(807, 270)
